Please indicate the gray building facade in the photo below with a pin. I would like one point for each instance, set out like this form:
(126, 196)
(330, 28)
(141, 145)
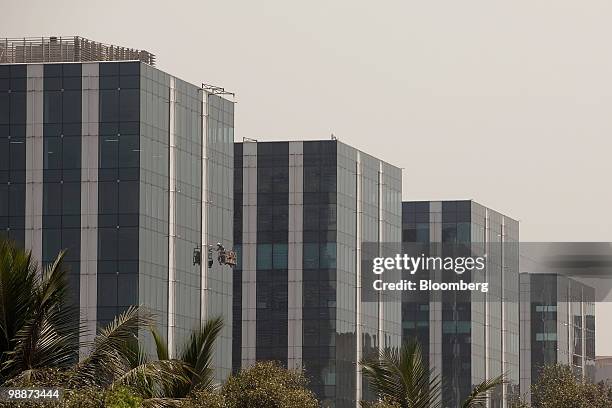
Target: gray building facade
(302, 212)
(129, 169)
(466, 337)
(557, 326)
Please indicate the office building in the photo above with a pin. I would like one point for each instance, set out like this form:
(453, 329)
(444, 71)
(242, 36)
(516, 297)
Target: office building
(557, 326)
(303, 211)
(127, 167)
(469, 336)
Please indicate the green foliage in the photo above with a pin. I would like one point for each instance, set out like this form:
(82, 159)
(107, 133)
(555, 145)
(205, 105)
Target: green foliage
(116, 359)
(38, 329)
(268, 385)
(39, 342)
(122, 397)
(559, 387)
(89, 397)
(39, 338)
(517, 402)
(263, 385)
(196, 355)
(204, 399)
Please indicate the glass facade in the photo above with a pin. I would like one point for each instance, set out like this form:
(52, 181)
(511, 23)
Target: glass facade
(153, 193)
(346, 319)
(415, 307)
(561, 324)
(315, 255)
(320, 277)
(118, 188)
(466, 336)
(85, 151)
(13, 89)
(272, 256)
(237, 273)
(219, 159)
(61, 220)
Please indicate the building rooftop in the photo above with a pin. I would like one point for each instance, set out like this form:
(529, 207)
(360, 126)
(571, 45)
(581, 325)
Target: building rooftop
(333, 139)
(66, 49)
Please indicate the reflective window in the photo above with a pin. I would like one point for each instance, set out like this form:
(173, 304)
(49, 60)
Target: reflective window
(264, 256)
(279, 254)
(311, 255)
(328, 255)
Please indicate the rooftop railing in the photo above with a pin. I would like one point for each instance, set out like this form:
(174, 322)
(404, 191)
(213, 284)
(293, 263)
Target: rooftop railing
(66, 49)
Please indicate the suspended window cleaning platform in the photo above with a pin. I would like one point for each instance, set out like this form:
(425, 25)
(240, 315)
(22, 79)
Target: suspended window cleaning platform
(66, 49)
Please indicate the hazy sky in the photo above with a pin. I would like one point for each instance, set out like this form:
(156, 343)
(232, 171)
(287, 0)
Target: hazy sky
(507, 103)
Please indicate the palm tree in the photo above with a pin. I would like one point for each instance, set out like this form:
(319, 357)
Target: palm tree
(196, 354)
(38, 328)
(115, 358)
(164, 382)
(400, 376)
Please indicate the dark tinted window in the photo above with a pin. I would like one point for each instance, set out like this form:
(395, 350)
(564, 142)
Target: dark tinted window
(18, 107)
(71, 107)
(52, 107)
(109, 105)
(4, 108)
(129, 103)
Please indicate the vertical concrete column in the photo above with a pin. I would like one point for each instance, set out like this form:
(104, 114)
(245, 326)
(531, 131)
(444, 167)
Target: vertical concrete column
(89, 200)
(435, 301)
(503, 312)
(34, 161)
(381, 313)
(487, 298)
(358, 243)
(204, 211)
(249, 253)
(172, 218)
(295, 254)
(525, 336)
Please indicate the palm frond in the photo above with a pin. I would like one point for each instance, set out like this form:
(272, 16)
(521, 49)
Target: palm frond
(152, 379)
(198, 354)
(48, 337)
(161, 347)
(480, 394)
(402, 377)
(110, 355)
(18, 280)
(134, 352)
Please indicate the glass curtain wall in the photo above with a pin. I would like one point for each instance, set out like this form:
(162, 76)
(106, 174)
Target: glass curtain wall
(272, 261)
(118, 189)
(13, 88)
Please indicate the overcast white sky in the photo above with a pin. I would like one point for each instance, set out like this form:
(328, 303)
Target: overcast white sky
(507, 103)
